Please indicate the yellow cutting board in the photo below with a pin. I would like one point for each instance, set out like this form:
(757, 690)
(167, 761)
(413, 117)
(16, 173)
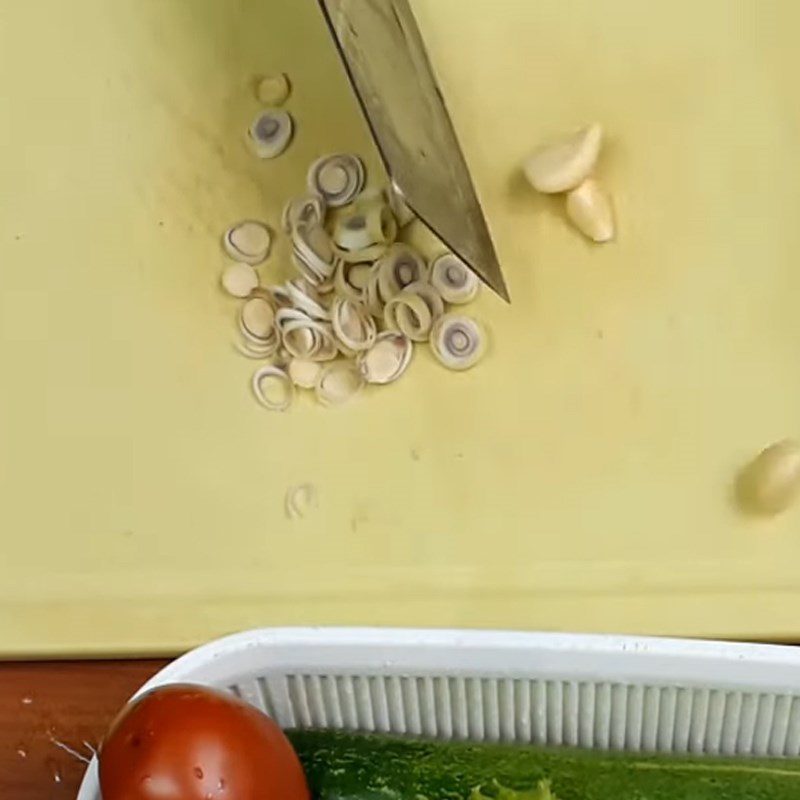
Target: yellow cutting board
(580, 478)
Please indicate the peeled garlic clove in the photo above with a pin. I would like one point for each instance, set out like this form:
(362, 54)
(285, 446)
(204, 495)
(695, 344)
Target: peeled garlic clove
(457, 341)
(306, 210)
(238, 280)
(273, 90)
(565, 164)
(338, 382)
(248, 242)
(589, 210)
(270, 133)
(304, 373)
(399, 267)
(272, 388)
(353, 325)
(337, 178)
(454, 280)
(771, 482)
(387, 359)
(257, 318)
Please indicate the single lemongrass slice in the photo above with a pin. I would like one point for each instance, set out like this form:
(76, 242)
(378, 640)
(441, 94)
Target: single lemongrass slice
(338, 383)
(258, 318)
(350, 280)
(270, 133)
(300, 500)
(306, 298)
(408, 313)
(304, 372)
(400, 266)
(589, 210)
(771, 482)
(248, 242)
(309, 209)
(457, 341)
(238, 280)
(453, 279)
(353, 325)
(273, 90)
(338, 178)
(387, 359)
(272, 388)
(563, 165)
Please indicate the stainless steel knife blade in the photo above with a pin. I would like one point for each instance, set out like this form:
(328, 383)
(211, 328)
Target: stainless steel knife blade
(386, 61)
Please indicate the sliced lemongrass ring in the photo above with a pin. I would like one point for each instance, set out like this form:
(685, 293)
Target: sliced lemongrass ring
(248, 241)
(270, 133)
(350, 280)
(300, 500)
(400, 266)
(239, 280)
(338, 178)
(429, 295)
(309, 209)
(453, 279)
(273, 90)
(409, 314)
(258, 317)
(364, 225)
(387, 359)
(338, 383)
(304, 372)
(272, 388)
(457, 341)
(353, 325)
(305, 297)
(313, 249)
(258, 352)
(564, 164)
(309, 339)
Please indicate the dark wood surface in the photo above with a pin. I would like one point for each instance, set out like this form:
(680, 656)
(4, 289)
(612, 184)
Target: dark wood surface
(72, 703)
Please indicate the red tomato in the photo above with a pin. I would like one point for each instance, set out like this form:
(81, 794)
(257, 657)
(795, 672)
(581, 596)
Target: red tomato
(185, 742)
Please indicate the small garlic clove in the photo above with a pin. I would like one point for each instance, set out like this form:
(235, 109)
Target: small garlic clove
(337, 178)
(454, 280)
(457, 341)
(387, 359)
(270, 133)
(563, 165)
(272, 388)
(771, 482)
(273, 90)
(338, 383)
(589, 210)
(248, 242)
(238, 280)
(304, 373)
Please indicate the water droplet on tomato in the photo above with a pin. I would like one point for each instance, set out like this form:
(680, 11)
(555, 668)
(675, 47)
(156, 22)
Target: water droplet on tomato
(22, 751)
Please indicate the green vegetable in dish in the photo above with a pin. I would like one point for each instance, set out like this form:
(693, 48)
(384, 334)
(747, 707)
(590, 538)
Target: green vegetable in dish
(345, 766)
